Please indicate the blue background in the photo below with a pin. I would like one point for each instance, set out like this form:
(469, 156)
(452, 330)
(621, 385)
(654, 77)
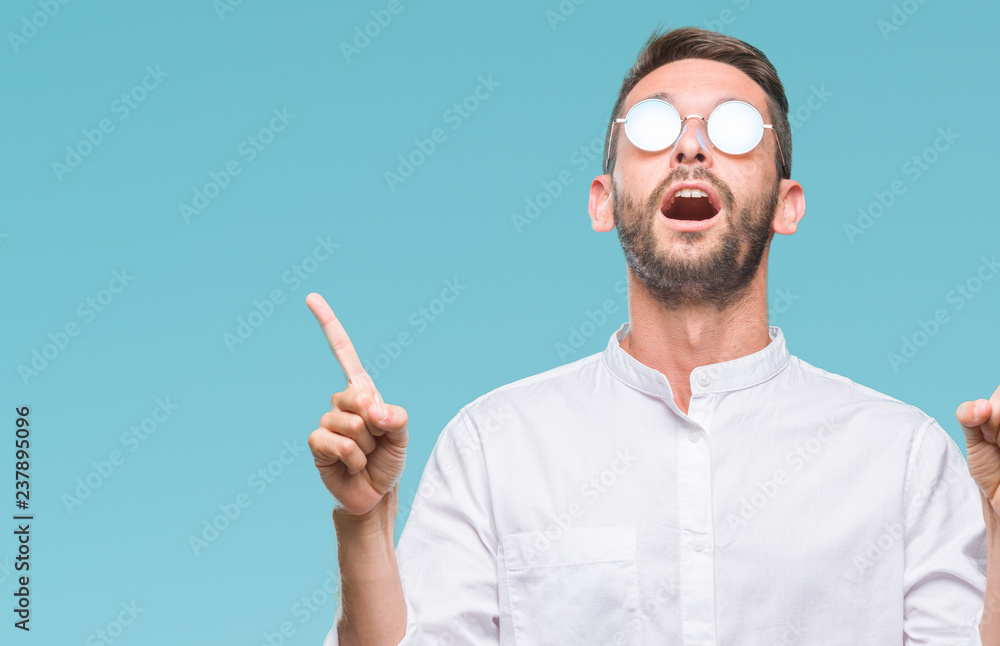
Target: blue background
(62, 234)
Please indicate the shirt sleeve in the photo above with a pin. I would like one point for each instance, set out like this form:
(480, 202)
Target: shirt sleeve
(944, 554)
(447, 550)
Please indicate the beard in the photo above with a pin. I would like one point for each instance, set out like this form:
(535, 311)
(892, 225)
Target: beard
(716, 276)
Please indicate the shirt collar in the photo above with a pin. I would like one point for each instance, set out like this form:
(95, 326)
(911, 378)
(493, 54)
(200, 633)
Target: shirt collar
(741, 372)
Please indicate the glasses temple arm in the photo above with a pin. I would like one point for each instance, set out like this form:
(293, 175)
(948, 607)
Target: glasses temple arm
(777, 140)
(611, 142)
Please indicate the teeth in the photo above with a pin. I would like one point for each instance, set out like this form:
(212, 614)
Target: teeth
(690, 192)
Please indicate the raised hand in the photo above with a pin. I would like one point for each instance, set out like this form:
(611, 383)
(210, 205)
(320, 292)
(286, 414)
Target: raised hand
(360, 445)
(980, 419)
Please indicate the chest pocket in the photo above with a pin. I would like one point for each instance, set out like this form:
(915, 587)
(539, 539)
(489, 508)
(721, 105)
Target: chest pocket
(579, 588)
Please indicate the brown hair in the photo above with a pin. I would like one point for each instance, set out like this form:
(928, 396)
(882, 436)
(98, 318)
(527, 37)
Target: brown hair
(692, 42)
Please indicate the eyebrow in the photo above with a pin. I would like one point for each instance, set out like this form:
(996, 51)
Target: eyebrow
(669, 98)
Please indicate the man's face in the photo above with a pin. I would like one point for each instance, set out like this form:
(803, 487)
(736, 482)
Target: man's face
(681, 251)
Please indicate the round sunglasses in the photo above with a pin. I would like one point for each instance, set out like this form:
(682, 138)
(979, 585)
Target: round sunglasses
(734, 127)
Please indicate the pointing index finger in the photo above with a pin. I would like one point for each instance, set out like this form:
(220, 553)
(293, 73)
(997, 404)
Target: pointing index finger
(336, 336)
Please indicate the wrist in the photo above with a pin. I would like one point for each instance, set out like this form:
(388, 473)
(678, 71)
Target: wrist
(378, 521)
(991, 517)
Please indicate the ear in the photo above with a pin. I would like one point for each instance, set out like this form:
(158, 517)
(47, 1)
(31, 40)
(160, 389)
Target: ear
(601, 205)
(791, 207)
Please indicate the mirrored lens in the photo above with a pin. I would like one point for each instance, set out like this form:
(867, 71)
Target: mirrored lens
(735, 127)
(652, 124)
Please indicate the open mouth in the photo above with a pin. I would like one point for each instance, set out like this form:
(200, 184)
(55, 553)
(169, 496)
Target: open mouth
(692, 204)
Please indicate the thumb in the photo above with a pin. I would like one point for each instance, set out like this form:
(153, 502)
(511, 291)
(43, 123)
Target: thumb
(973, 415)
(387, 419)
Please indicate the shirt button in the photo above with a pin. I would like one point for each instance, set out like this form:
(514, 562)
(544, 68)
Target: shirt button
(704, 380)
(694, 434)
(698, 543)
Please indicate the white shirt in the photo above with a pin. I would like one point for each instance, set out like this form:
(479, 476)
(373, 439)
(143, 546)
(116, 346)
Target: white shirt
(789, 505)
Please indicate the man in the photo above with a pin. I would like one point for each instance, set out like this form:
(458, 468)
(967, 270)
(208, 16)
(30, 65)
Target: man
(693, 483)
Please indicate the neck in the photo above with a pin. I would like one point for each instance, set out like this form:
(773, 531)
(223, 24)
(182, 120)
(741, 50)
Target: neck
(677, 341)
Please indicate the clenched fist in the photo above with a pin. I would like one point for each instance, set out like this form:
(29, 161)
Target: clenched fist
(360, 445)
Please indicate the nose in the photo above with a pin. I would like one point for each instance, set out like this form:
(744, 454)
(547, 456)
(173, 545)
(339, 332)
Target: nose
(692, 145)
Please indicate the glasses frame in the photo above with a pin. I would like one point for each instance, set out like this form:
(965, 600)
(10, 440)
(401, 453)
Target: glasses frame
(767, 126)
